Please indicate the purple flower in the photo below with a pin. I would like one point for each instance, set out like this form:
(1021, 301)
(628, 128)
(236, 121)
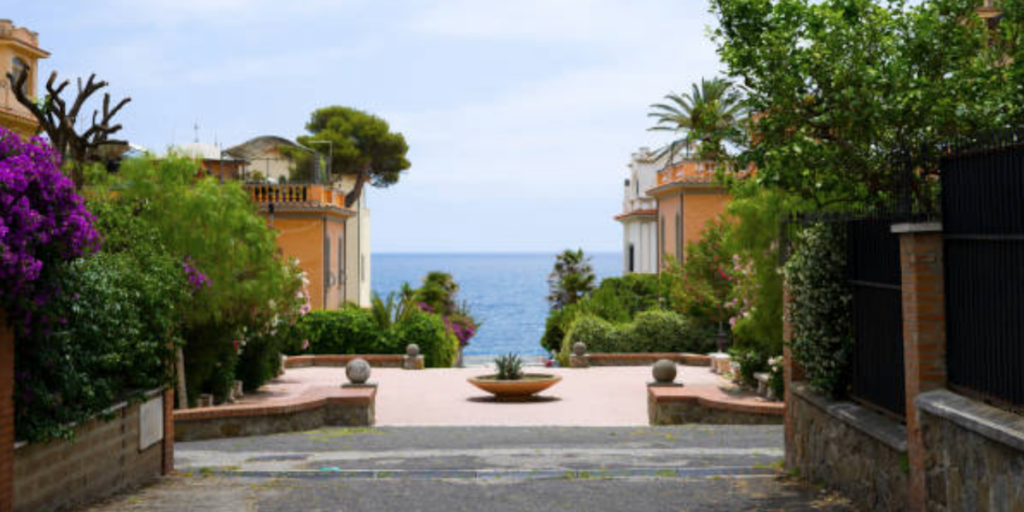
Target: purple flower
(42, 221)
(197, 278)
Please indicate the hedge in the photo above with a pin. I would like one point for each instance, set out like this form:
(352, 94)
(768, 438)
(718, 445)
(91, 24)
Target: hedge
(652, 331)
(820, 308)
(355, 331)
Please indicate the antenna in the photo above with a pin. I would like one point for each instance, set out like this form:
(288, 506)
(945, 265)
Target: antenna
(195, 126)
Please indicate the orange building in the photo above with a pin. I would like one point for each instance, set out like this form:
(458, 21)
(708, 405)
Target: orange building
(310, 221)
(19, 49)
(688, 197)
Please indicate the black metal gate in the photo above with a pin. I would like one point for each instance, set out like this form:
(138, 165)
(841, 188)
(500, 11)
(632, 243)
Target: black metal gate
(983, 222)
(873, 263)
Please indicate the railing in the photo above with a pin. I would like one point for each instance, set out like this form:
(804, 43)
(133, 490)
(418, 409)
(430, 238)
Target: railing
(291, 193)
(873, 263)
(689, 172)
(983, 224)
(638, 204)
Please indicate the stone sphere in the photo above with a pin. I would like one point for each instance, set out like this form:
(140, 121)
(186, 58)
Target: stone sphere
(412, 350)
(357, 371)
(579, 348)
(664, 371)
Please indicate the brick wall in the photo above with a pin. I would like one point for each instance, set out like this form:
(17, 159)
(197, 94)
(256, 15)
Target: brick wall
(6, 416)
(104, 459)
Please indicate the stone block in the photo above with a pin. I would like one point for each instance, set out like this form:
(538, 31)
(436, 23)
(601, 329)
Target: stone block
(417, 362)
(579, 361)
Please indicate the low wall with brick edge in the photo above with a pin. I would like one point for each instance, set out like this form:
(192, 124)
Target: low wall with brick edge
(317, 407)
(107, 456)
(339, 361)
(680, 405)
(849, 447)
(646, 359)
(974, 454)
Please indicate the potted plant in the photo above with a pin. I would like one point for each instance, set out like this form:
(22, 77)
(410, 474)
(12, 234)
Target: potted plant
(510, 383)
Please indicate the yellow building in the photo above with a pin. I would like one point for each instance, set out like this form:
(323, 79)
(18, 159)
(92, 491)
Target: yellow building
(19, 48)
(688, 197)
(310, 221)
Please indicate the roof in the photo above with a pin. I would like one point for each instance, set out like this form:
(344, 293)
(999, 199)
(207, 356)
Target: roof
(637, 213)
(258, 146)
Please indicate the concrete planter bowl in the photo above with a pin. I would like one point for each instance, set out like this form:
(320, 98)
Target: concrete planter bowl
(511, 390)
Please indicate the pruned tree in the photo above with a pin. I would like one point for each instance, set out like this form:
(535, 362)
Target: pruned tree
(57, 118)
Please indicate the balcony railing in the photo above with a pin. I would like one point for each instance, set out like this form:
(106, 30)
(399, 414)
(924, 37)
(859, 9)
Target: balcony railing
(295, 194)
(639, 203)
(688, 172)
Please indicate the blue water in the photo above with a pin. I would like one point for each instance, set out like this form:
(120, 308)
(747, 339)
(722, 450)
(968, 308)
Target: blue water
(507, 292)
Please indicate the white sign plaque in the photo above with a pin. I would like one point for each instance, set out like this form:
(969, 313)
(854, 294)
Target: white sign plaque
(151, 422)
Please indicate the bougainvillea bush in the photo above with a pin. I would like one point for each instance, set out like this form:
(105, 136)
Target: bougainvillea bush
(42, 222)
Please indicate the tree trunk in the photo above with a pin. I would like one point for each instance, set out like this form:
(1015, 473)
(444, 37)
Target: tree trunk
(182, 391)
(357, 191)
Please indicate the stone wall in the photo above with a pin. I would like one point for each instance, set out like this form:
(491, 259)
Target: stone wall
(850, 448)
(106, 457)
(344, 407)
(680, 405)
(974, 454)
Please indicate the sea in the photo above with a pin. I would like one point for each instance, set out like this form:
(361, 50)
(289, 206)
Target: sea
(506, 292)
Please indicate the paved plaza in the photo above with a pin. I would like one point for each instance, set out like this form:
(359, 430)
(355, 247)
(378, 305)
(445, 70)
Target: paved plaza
(597, 397)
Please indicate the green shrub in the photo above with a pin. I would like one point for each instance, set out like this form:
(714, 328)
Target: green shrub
(820, 309)
(345, 331)
(667, 331)
(440, 348)
(619, 299)
(557, 326)
(112, 338)
(598, 334)
(751, 362)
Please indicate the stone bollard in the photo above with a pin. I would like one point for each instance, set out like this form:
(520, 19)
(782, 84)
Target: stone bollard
(206, 400)
(413, 359)
(579, 357)
(664, 372)
(358, 373)
(720, 362)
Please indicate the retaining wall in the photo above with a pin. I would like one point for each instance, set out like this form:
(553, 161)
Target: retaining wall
(106, 457)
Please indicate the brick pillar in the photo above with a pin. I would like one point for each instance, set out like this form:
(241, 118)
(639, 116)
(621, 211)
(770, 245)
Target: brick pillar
(924, 336)
(792, 372)
(168, 443)
(6, 416)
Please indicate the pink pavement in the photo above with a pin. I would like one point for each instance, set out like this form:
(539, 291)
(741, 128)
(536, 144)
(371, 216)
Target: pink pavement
(600, 396)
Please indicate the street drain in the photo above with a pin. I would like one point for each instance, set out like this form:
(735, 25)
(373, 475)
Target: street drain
(506, 474)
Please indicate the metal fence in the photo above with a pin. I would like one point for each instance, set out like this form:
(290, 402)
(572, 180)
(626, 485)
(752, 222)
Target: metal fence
(873, 265)
(983, 222)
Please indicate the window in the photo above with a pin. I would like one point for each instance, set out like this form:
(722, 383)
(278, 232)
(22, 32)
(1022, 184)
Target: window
(679, 237)
(18, 67)
(661, 240)
(631, 253)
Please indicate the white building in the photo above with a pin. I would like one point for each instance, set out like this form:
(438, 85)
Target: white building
(639, 215)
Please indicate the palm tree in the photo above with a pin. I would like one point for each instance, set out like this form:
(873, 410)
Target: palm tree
(708, 117)
(572, 279)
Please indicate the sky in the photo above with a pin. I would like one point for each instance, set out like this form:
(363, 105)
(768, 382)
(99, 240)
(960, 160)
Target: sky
(521, 115)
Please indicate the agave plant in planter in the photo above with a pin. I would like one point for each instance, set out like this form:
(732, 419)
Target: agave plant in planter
(511, 383)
